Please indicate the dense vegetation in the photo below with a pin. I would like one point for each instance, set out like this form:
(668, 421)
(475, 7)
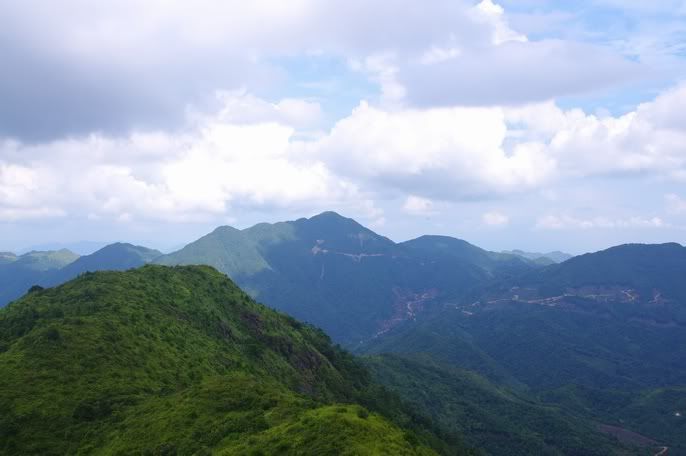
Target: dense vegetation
(494, 418)
(178, 361)
(658, 413)
(606, 345)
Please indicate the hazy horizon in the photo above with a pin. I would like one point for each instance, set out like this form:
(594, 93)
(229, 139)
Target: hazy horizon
(86, 247)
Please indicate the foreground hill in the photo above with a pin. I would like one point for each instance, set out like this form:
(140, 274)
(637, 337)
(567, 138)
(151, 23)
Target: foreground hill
(341, 276)
(179, 360)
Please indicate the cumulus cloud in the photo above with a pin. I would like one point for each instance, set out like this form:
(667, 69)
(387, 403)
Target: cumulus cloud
(242, 156)
(251, 154)
(450, 154)
(128, 66)
(647, 140)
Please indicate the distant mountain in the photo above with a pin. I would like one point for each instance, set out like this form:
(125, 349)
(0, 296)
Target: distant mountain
(7, 257)
(53, 268)
(553, 257)
(341, 276)
(114, 257)
(80, 247)
(445, 247)
(606, 322)
(646, 268)
(643, 282)
(180, 361)
(609, 317)
(18, 273)
(45, 260)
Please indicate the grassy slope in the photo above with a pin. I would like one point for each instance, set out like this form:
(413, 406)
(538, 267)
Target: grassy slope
(162, 360)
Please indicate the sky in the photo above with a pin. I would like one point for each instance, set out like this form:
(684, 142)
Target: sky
(531, 124)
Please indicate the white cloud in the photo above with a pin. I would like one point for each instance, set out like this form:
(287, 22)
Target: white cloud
(449, 154)
(237, 158)
(495, 218)
(250, 155)
(241, 107)
(563, 222)
(172, 54)
(647, 140)
(415, 205)
(494, 15)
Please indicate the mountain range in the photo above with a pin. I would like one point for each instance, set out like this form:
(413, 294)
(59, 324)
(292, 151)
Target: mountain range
(346, 279)
(518, 353)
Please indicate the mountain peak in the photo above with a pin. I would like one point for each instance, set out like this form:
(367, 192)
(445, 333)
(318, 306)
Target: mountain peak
(331, 215)
(342, 233)
(328, 214)
(330, 219)
(224, 229)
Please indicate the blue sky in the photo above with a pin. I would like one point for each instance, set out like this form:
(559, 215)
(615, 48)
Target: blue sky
(528, 124)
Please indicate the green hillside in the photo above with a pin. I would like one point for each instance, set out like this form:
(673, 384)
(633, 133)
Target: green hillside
(179, 360)
(599, 336)
(493, 418)
(657, 412)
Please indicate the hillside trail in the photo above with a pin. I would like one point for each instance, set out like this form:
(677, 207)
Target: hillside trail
(663, 451)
